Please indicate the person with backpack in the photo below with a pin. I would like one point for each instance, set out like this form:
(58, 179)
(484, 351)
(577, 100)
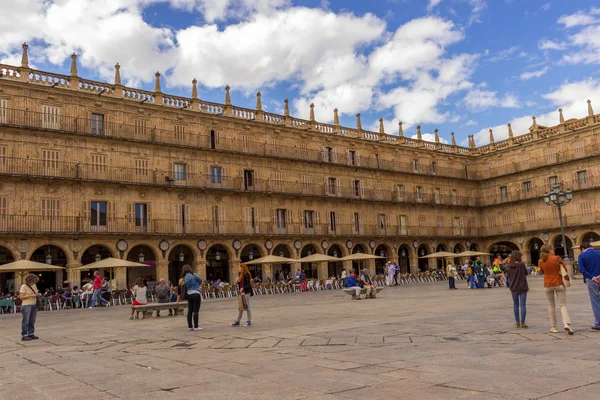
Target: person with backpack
(470, 275)
(244, 281)
(190, 291)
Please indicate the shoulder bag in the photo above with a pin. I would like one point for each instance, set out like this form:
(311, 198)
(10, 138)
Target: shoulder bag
(38, 300)
(564, 274)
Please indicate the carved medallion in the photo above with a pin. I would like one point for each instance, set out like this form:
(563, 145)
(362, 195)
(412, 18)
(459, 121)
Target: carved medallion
(24, 245)
(99, 192)
(75, 245)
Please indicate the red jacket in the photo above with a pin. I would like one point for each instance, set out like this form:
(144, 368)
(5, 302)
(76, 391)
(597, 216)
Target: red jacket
(97, 282)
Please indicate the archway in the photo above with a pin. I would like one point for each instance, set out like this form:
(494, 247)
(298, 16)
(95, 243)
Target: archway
(249, 253)
(440, 261)
(502, 250)
(145, 255)
(458, 248)
(382, 251)
(423, 250)
(7, 279)
(359, 248)
(335, 268)
(310, 269)
(404, 258)
(558, 248)
(49, 255)
(474, 247)
(283, 250)
(178, 257)
(535, 246)
(590, 237)
(217, 263)
(90, 255)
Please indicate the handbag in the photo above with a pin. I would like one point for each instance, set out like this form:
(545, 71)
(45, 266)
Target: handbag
(242, 302)
(565, 275)
(38, 300)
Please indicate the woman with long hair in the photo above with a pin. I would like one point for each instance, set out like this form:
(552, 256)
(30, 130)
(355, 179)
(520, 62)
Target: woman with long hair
(244, 281)
(517, 275)
(553, 284)
(192, 294)
(139, 294)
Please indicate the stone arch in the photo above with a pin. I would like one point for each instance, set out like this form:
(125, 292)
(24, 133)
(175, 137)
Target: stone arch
(534, 245)
(62, 246)
(60, 257)
(175, 266)
(588, 237)
(283, 249)
(310, 269)
(439, 261)
(404, 254)
(502, 248)
(193, 248)
(360, 248)
(13, 252)
(424, 263)
(558, 248)
(151, 245)
(7, 279)
(219, 259)
(343, 249)
(107, 250)
(252, 251)
(387, 252)
(151, 257)
(316, 245)
(335, 268)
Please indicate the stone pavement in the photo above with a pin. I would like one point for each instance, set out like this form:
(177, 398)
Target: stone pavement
(418, 342)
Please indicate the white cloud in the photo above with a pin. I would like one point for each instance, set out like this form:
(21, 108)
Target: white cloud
(570, 96)
(577, 19)
(588, 43)
(433, 4)
(503, 54)
(552, 45)
(545, 6)
(478, 99)
(477, 9)
(533, 74)
(430, 137)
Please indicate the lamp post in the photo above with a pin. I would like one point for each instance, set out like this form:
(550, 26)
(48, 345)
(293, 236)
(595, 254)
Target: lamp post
(557, 198)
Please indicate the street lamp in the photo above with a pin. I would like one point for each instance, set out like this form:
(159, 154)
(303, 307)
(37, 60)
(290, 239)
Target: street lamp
(251, 255)
(381, 253)
(310, 252)
(181, 255)
(97, 257)
(403, 253)
(557, 198)
(281, 253)
(335, 253)
(218, 256)
(48, 259)
(141, 257)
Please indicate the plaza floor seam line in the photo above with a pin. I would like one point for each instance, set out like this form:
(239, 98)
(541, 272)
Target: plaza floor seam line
(567, 390)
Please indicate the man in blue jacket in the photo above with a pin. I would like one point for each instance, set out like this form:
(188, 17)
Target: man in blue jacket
(589, 265)
(354, 286)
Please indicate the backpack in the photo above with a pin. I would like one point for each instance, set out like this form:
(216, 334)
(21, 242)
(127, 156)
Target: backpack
(469, 271)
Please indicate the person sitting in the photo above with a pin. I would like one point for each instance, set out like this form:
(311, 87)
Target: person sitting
(368, 284)
(163, 295)
(352, 284)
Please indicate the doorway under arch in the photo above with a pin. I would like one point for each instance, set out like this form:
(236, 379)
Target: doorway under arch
(535, 245)
(49, 254)
(145, 255)
(7, 279)
(558, 247)
(217, 263)
(423, 250)
(335, 268)
(440, 261)
(590, 237)
(458, 248)
(382, 251)
(282, 250)
(404, 258)
(92, 254)
(310, 269)
(249, 253)
(178, 257)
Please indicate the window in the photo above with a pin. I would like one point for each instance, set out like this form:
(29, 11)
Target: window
(281, 218)
(309, 221)
(419, 193)
(141, 167)
(403, 223)
(357, 220)
(214, 139)
(552, 181)
(586, 208)
(182, 218)
(527, 187)
(400, 192)
(98, 124)
(530, 216)
(353, 157)
(245, 142)
(3, 212)
(141, 215)
(179, 172)
(303, 151)
(278, 181)
(503, 192)
(50, 117)
(251, 220)
(415, 165)
(578, 148)
(457, 225)
(422, 221)
(215, 175)
(438, 195)
(551, 155)
(307, 182)
(50, 214)
(218, 219)
(582, 177)
(248, 179)
(434, 167)
(98, 163)
(332, 222)
(491, 221)
(140, 128)
(179, 131)
(98, 214)
(275, 143)
(377, 161)
(3, 111)
(329, 154)
(50, 159)
(506, 220)
(3, 155)
(358, 188)
(333, 187)
(454, 196)
(382, 222)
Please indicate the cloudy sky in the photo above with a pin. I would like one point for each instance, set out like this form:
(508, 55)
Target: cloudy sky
(456, 65)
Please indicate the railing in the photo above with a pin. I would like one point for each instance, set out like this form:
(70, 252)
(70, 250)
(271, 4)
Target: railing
(570, 220)
(37, 224)
(83, 126)
(94, 172)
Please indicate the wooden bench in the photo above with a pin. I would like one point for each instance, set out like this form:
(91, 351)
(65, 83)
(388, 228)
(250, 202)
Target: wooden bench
(363, 291)
(150, 308)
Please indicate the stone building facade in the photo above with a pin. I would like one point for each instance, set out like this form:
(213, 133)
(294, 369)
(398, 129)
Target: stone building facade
(91, 170)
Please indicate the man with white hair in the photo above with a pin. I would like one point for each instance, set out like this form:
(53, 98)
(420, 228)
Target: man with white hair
(391, 270)
(163, 294)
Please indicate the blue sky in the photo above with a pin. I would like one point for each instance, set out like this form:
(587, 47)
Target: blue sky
(455, 65)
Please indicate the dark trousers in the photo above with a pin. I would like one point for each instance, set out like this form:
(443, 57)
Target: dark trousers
(194, 301)
(451, 283)
(520, 306)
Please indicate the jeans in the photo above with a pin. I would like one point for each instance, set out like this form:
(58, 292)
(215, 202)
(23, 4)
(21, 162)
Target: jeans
(29, 314)
(561, 293)
(344, 282)
(594, 290)
(519, 304)
(480, 281)
(97, 296)
(451, 283)
(472, 282)
(241, 313)
(194, 301)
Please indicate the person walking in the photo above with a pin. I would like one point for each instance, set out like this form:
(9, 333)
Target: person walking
(589, 266)
(243, 280)
(139, 295)
(451, 272)
(192, 287)
(553, 284)
(517, 274)
(29, 294)
(391, 270)
(97, 296)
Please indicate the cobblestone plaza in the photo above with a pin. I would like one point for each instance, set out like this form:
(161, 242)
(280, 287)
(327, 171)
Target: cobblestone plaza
(418, 341)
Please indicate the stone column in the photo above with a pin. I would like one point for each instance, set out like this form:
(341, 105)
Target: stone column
(322, 270)
(200, 268)
(233, 269)
(74, 277)
(162, 270)
(414, 264)
(347, 266)
(267, 272)
(121, 277)
(370, 265)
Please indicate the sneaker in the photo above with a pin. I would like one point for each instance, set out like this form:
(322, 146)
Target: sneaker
(26, 338)
(568, 329)
(596, 328)
(131, 318)
(34, 337)
(198, 329)
(235, 323)
(190, 329)
(554, 330)
(248, 324)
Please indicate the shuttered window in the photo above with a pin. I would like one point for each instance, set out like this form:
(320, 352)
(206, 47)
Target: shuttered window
(50, 117)
(50, 159)
(140, 128)
(98, 162)
(179, 132)
(141, 167)
(3, 111)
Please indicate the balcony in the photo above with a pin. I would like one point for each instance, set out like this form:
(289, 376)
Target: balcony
(83, 126)
(570, 220)
(69, 225)
(136, 176)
